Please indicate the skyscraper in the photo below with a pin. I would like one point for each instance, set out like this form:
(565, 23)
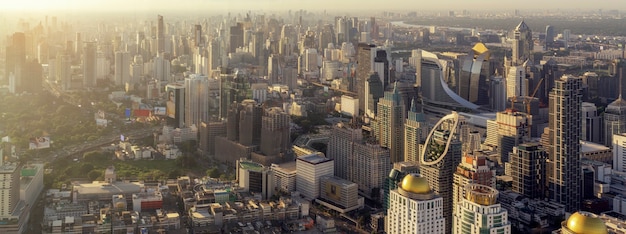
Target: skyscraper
(374, 90)
(9, 188)
(16, 59)
(368, 167)
(415, 208)
(89, 64)
(415, 132)
(250, 122)
(390, 117)
(363, 68)
(522, 44)
(175, 105)
(513, 129)
(196, 100)
(341, 146)
(614, 120)
(122, 68)
(619, 152)
(381, 66)
(275, 138)
(550, 35)
(479, 212)
(160, 35)
(472, 169)
(437, 97)
(475, 68)
(590, 123)
(528, 170)
(516, 82)
(441, 155)
(497, 94)
(236, 37)
(564, 169)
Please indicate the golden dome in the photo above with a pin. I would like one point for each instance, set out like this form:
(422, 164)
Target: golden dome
(586, 223)
(480, 48)
(415, 184)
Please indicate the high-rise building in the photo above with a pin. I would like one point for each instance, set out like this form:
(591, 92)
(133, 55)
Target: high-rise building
(63, 69)
(614, 120)
(380, 65)
(390, 117)
(16, 59)
(367, 168)
(437, 97)
(175, 105)
(566, 35)
(441, 155)
(197, 36)
(250, 122)
(550, 35)
(275, 137)
(136, 70)
(516, 82)
(161, 70)
(497, 94)
(475, 69)
(78, 50)
(196, 100)
(513, 129)
(528, 170)
(160, 35)
(363, 69)
(590, 123)
(341, 146)
(311, 168)
(374, 90)
(89, 64)
(415, 208)
(208, 132)
(236, 37)
(395, 176)
(415, 132)
(522, 44)
(619, 152)
(9, 188)
(473, 169)
(122, 68)
(563, 146)
(479, 212)
(255, 178)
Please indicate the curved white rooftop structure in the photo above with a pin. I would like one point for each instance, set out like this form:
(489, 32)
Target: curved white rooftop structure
(446, 129)
(435, 92)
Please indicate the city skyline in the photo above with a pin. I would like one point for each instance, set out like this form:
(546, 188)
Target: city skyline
(271, 5)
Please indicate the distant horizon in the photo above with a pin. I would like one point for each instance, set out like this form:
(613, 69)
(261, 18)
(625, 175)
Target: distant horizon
(145, 6)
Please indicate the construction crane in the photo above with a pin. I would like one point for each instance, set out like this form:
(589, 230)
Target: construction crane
(527, 101)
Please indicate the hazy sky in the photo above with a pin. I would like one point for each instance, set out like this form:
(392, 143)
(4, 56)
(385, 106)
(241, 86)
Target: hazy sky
(330, 5)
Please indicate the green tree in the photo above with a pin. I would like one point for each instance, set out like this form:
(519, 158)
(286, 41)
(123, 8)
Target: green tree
(94, 174)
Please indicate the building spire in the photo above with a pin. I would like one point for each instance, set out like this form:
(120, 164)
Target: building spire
(413, 106)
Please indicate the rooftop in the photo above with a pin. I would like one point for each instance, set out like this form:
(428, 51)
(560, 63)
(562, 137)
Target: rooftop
(314, 159)
(285, 167)
(98, 187)
(251, 166)
(587, 146)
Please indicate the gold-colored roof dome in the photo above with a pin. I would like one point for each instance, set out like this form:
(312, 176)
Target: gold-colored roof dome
(415, 184)
(480, 48)
(586, 223)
